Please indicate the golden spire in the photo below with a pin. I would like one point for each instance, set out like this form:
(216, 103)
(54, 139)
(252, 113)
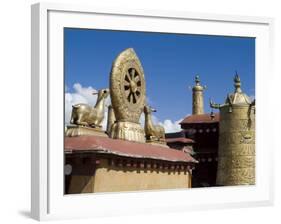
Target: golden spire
(238, 97)
(237, 83)
(197, 84)
(235, 98)
(197, 97)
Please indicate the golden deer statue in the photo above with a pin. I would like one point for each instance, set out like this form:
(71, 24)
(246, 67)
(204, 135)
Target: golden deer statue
(86, 115)
(152, 132)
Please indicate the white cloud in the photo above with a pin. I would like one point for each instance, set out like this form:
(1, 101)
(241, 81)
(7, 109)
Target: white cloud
(171, 126)
(84, 95)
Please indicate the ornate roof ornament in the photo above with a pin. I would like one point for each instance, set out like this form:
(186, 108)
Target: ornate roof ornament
(237, 83)
(235, 98)
(128, 96)
(238, 97)
(198, 86)
(236, 154)
(197, 80)
(127, 85)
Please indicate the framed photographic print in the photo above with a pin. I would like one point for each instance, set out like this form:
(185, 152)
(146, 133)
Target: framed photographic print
(146, 111)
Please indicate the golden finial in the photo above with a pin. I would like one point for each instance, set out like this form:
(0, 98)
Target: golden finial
(237, 83)
(198, 85)
(197, 80)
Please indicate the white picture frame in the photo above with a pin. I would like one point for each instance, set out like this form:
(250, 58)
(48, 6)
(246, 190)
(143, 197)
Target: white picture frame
(48, 200)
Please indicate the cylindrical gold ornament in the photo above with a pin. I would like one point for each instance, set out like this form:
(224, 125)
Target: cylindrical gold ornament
(236, 155)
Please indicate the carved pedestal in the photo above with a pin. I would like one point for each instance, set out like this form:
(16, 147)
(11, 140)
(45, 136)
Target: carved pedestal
(74, 130)
(128, 131)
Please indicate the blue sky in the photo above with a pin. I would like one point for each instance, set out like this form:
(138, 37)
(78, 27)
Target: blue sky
(170, 63)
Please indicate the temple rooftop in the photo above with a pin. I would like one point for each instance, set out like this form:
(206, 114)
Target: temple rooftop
(201, 118)
(105, 145)
(179, 140)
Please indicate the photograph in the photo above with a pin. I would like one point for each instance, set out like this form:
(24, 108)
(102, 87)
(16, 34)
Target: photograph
(153, 111)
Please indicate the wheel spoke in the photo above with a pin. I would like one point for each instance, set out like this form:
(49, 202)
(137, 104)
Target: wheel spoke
(129, 97)
(130, 75)
(133, 72)
(134, 98)
(127, 77)
(137, 78)
(127, 82)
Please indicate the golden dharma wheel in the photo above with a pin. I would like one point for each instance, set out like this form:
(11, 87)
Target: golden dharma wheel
(127, 86)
